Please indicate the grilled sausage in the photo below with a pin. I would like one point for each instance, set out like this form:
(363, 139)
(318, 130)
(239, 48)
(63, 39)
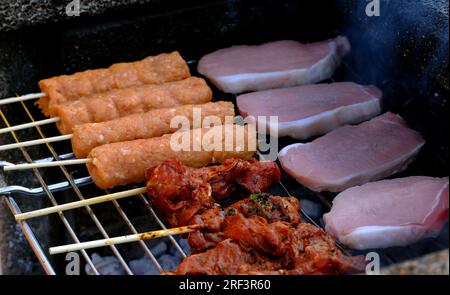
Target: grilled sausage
(126, 162)
(158, 69)
(153, 123)
(122, 102)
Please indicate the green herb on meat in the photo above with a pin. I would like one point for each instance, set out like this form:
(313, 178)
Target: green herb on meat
(261, 205)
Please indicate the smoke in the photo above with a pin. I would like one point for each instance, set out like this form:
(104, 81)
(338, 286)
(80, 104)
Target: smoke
(407, 43)
(405, 52)
(440, 6)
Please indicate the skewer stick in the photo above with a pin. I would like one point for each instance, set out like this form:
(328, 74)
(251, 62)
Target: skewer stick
(78, 204)
(125, 239)
(22, 98)
(29, 125)
(45, 164)
(35, 142)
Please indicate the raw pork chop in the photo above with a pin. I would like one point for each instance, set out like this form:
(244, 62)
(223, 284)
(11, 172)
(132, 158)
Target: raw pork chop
(353, 155)
(273, 65)
(389, 213)
(305, 111)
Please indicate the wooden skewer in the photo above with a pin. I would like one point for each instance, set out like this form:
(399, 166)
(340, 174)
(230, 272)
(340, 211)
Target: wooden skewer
(78, 204)
(125, 239)
(29, 125)
(35, 142)
(22, 98)
(45, 164)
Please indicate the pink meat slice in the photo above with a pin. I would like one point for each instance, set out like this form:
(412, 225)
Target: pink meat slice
(310, 110)
(273, 65)
(353, 155)
(389, 213)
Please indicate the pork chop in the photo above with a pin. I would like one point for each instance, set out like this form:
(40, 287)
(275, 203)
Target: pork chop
(273, 65)
(389, 213)
(310, 110)
(353, 155)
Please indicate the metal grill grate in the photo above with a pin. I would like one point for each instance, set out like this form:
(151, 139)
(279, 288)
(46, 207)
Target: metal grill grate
(73, 184)
(30, 236)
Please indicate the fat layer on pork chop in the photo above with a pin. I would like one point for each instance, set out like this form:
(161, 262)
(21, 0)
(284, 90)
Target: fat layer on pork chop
(273, 65)
(388, 213)
(310, 110)
(353, 155)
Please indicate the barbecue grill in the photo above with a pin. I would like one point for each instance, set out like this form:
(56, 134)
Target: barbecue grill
(410, 65)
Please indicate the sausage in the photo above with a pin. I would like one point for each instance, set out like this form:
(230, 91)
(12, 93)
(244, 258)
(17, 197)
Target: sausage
(122, 102)
(126, 162)
(153, 123)
(158, 69)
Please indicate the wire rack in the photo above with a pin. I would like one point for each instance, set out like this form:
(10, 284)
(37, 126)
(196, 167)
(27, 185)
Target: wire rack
(70, 184)
(73, 185)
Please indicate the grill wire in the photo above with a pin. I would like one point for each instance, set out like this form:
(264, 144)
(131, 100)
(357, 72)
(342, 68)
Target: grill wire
(30, 236)
(388, 256)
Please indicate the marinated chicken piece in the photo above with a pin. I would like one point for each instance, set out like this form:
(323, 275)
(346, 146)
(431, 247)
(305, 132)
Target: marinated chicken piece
(256, 233)
(222, 177)
(216, 220)
(253, 175)
(211, 232)
(254, 246)
(175, 193)
(173, 188)
(312, 251)
(260, 176)
(226, 258)
(272, 208)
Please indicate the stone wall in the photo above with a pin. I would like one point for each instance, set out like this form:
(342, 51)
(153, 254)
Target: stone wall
(20, 67)
(23, 13)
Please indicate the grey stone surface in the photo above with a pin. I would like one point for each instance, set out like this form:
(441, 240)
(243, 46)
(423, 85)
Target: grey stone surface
(16, 256)
(108, 265)
(143, 266)
(2, 184)
(431, 264)
(159, 249)
(168, 260)
(15, 253)
(21, 13)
